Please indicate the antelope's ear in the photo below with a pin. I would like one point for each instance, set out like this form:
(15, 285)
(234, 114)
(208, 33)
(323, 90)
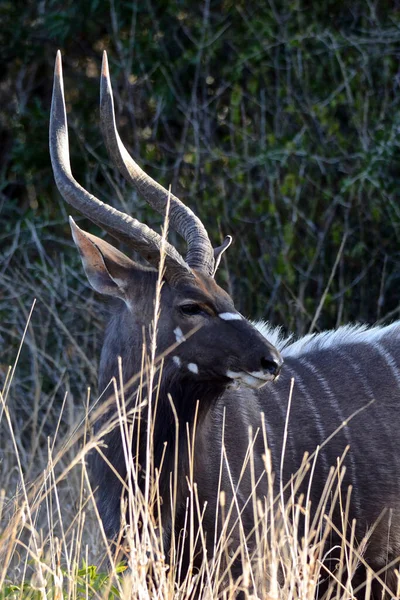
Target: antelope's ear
(218, 252)
(107, 269)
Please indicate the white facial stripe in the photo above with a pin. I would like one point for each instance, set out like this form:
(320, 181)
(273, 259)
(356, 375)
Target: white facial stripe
(228, 316)
(234, 374)
(179, 335)
(177, 360)
(193, 368)
(260, 375)
(253, 379)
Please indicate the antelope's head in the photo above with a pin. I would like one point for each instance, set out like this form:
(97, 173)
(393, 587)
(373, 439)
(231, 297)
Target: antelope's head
(207, 337)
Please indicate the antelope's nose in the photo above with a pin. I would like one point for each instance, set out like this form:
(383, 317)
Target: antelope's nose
(272, 365)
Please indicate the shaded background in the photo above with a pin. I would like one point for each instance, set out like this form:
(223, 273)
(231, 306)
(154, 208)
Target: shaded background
(277, 122)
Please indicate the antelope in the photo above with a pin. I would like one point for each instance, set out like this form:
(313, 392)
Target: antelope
(229, 376)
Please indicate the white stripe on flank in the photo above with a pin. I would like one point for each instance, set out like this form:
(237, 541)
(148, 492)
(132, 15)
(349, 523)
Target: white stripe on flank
(228, 316)
(177, 360)
(301, 385)
(271, 434)
(389, 360)
(335, 405)
(362, 379)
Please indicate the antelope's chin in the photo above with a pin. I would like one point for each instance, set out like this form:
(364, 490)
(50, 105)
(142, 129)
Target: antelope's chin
(254, 380)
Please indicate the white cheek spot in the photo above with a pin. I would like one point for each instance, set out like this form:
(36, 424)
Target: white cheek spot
(179, 335)
(193, 368)
(177, 360)
(230, 316)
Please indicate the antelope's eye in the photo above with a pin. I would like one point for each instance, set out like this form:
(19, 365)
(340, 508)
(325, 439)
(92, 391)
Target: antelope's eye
(192, 309)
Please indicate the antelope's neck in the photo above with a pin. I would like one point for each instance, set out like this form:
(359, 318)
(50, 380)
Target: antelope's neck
(179, 413)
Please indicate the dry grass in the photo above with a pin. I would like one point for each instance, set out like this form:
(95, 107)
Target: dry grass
(51, 532)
